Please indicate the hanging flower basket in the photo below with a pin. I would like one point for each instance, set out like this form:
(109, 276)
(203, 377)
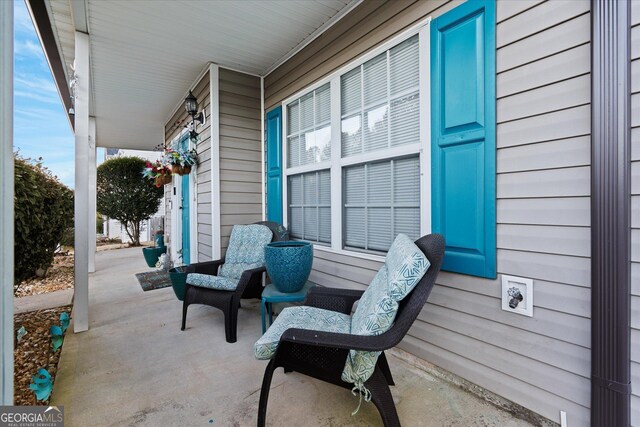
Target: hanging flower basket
(160, 173)
(162, 180)
(180, 159)
(181, 170)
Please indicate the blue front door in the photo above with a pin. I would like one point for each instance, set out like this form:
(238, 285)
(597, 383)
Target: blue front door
(185, 208)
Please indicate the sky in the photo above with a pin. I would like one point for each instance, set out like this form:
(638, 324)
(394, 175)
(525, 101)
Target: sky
(41, 128)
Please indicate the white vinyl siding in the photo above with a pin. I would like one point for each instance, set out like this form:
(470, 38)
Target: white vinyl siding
(240, 140)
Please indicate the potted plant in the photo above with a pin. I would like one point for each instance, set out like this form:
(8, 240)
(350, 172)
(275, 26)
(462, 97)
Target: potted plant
(180, 159)
(158, 172)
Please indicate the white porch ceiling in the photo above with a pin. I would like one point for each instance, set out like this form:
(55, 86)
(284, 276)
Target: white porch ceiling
(146, 54)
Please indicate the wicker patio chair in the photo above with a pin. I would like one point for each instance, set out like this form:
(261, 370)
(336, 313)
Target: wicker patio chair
(249, 285)
(322, 355)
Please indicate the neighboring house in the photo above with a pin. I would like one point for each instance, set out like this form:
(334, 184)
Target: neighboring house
(112, 228)
(468, 118)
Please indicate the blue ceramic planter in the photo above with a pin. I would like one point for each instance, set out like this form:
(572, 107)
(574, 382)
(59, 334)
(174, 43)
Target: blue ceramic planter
(159, 239)
(151, 255)
(289, 264)
(178, 276)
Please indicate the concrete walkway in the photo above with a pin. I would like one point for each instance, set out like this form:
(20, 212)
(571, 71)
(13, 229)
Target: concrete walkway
(135, 367)
(42, 301)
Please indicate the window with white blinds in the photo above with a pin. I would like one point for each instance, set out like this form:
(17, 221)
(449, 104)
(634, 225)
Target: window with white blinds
(309, 128)
(310, 206)
(380, 101)
(353, 157)
(381, 199)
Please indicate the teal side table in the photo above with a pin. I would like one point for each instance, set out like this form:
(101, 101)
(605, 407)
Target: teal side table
(270, 295)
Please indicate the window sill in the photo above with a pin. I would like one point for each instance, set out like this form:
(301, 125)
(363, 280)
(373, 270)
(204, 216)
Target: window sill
(370, 257)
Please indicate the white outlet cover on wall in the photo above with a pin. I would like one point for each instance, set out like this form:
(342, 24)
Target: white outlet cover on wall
(525, 307)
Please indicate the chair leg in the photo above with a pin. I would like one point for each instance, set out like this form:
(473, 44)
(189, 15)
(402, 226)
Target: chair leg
(231, 322)
(384, 367)
(382, 398)
(264, 393)
(185, 305)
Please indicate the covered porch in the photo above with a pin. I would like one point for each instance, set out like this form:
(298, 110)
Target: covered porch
(519, 178)
(135, 367)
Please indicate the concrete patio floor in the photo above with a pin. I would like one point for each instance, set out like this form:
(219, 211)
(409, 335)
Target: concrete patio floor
(135, 367)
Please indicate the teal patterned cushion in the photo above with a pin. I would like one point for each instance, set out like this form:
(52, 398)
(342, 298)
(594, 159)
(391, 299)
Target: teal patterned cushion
(212, 282)
(404, 266)
(246, 249)
(312, 318)
(376, 310)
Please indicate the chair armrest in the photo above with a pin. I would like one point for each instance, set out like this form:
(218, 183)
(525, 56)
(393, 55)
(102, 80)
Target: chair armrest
(253, 272)
(334, 299)
(343, 341)
(249, 276)
(207, 267)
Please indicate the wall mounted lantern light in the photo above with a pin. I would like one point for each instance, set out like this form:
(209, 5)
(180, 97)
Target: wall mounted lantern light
(191, 105)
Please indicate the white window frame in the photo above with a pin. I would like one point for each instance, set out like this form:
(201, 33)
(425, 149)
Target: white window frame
(337, 162)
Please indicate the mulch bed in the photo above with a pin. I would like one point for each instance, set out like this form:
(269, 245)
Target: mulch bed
(34, 351)
(59, 276)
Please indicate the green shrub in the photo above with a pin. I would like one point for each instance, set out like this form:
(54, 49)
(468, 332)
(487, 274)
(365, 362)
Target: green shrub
(99, 224)
(125, 195)
(68, 237)
(43, 211)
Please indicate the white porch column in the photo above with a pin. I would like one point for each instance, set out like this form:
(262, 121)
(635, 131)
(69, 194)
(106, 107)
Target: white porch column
(92, 194)
(81, 218)
(6, 202)
(214, 94)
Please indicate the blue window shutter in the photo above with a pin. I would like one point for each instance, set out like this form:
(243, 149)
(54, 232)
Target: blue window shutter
(464, 136)
(274, 165)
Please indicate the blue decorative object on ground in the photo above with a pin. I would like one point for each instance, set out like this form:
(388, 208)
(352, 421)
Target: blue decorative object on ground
(271, 294)
(42, 384)
(22, 332)
(57, 332)
(289, 264)
(64, 321)
(56, 336)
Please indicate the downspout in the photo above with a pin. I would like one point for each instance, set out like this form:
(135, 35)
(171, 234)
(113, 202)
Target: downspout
(610, 213)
